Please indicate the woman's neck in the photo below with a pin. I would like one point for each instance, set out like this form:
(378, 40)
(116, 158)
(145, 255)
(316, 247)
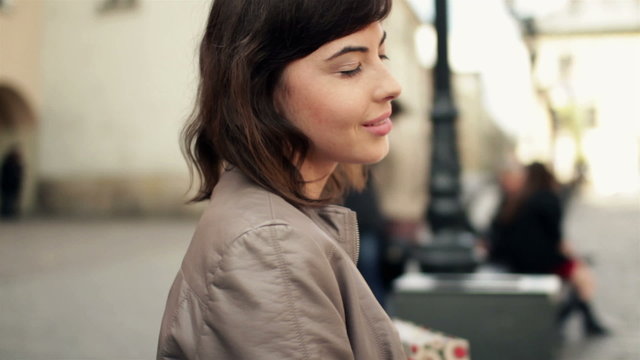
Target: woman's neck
(316, 175)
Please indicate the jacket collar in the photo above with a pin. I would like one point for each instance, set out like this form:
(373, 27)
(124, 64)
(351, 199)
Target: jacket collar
(341, 224)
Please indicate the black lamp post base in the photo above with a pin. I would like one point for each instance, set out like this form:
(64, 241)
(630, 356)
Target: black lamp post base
(450, 251)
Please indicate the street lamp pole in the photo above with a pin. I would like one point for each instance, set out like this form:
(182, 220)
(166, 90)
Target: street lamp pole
(444, 207)
(452, 247)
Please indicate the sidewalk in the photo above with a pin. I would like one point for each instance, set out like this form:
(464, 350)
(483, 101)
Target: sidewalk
(86, 290)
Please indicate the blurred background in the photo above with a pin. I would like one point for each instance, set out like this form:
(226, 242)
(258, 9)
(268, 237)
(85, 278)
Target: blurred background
(94, 93)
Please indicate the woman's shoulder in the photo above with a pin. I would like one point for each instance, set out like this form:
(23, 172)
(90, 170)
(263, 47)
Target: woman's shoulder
(242, 215)
(242, 219)
(238, 206)
(545, 201)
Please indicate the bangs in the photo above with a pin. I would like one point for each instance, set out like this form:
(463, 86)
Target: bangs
(342, 18)
(312, 23)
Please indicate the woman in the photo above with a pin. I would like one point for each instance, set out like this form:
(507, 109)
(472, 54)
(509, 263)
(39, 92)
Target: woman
(526, 236)
(292, 93)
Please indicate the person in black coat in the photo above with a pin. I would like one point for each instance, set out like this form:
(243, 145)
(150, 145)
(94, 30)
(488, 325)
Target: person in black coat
(11, 177)
(526, 237)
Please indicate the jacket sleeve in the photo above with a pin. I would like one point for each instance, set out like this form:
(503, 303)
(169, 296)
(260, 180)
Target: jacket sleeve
(274, 295)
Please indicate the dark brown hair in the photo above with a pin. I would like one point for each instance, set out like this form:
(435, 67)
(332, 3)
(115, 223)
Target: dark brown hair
(245, 48)
(537, 178)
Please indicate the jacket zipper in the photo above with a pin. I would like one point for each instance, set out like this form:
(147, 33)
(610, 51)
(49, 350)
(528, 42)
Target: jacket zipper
(355, 223)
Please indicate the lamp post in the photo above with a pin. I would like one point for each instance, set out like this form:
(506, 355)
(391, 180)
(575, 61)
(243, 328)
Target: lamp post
(452, 247)
(444, 208)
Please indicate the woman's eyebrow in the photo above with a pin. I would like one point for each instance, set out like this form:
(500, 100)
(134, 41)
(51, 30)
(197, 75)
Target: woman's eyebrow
(362, 49)
(348, 49)
(384, 37)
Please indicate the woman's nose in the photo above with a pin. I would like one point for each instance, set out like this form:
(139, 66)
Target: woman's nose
(389, 87)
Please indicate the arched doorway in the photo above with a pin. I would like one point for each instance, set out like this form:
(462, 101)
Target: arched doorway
(17, 145)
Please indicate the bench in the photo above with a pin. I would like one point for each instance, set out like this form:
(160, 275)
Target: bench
(503, 316)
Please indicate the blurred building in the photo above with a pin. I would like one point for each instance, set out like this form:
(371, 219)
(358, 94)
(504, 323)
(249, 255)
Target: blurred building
(20, 88)
(401, 177)
(587, 60)
(109, 84)
(483, 141)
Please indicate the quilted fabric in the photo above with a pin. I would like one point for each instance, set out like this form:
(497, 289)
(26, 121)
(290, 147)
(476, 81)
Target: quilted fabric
(421, 343)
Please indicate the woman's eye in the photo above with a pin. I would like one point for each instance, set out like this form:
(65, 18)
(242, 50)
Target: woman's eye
(353, 72)
(384, 57)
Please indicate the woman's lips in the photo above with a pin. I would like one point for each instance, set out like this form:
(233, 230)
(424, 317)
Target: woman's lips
(380, 126)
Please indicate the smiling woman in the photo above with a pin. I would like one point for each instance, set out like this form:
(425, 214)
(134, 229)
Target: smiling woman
(292, 94)
(265, 145)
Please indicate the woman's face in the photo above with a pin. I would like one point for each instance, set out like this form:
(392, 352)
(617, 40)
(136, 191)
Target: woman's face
(512, 181)
(339, 97)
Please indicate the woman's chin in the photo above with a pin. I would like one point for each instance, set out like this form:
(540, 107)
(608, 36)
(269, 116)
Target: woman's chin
(382, 152)
(376, 156)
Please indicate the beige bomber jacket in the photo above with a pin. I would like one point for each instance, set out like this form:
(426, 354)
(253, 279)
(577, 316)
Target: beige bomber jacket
(262, 279)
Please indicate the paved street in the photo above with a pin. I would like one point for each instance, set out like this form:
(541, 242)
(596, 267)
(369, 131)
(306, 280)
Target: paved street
(72, 289)
(608, 230)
